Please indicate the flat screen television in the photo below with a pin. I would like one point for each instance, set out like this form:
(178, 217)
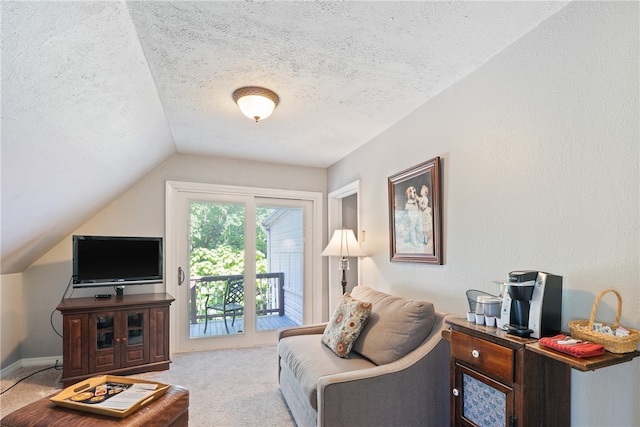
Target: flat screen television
(105, 260)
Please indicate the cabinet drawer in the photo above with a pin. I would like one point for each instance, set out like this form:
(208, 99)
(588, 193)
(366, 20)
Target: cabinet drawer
(491, 359)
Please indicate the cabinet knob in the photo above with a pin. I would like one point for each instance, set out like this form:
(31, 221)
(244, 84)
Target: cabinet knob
(475, 353)
(117, 339)
(124, 339)
(455, 392)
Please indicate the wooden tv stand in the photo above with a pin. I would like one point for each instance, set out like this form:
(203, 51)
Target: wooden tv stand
(120, 335)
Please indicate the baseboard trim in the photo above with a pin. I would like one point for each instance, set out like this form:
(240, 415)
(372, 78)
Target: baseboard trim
(34, 361)
(11, 368)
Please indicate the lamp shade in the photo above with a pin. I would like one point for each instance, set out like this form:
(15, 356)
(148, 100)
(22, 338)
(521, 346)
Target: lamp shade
(343, 243)
(257, 103)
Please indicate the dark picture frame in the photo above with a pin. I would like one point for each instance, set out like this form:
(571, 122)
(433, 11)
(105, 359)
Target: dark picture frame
(415, 214)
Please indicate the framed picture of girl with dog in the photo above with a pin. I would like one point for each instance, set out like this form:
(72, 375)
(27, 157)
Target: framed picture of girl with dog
(415, 214)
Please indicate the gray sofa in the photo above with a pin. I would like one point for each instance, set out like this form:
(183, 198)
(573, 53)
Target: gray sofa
(397, 373)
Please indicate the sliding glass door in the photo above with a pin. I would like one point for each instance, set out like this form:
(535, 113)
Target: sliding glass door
(216, 268)
(280, 263)
(242, 261)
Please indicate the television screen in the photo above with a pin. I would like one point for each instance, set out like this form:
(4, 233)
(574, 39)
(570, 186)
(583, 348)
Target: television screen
(124, 260)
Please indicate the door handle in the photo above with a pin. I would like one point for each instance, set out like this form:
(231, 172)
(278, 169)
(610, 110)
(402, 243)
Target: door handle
(180, 276)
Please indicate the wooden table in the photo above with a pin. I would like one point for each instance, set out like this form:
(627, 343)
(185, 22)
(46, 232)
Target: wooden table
(170, 410)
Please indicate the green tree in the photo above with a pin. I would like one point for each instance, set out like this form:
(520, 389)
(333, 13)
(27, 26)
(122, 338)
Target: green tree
(217, 245)
(214, 224)
(221, 261)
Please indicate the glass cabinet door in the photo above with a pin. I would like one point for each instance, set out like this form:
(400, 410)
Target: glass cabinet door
(481, 401)
(103, 341)
(104, 331)
(121, 339)
(135, 328)
(135, 337)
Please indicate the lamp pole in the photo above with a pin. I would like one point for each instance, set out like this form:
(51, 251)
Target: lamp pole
(343, 243)
(344, 266)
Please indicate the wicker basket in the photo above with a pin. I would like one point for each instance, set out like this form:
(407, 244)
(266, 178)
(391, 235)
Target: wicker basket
(613, 344)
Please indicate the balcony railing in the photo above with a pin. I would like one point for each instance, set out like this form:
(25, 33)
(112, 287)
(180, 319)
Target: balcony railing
(269, 293)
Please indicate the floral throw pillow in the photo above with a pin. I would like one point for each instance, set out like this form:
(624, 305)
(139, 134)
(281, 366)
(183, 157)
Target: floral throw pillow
(346, 324)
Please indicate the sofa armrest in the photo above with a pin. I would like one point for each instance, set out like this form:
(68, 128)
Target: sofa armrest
(392, 389)
(317, 328)
(292, 331)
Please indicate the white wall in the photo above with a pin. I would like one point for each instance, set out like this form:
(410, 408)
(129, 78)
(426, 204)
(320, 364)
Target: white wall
(540, 151)
(10, 318)
(139, 211)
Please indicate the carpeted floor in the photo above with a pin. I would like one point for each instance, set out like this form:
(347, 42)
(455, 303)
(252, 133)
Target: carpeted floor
(36, 386)
(227, 388)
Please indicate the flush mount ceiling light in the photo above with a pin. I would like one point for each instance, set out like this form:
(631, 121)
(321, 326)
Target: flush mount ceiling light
(257, 103)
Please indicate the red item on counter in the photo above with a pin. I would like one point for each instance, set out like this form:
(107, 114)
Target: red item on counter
(575, 348)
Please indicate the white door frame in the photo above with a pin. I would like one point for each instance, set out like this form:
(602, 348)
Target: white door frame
(334, 221)
(312, 305)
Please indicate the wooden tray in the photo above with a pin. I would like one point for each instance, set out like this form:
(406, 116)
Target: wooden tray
(62, 398)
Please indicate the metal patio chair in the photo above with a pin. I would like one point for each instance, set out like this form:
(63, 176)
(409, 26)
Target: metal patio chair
(232, 303)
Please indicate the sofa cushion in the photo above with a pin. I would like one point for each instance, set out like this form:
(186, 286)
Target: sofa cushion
(346, 324)
(308, 360)
(396, 325)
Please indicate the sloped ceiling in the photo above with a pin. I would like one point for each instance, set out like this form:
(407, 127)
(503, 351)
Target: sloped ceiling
(95, 95)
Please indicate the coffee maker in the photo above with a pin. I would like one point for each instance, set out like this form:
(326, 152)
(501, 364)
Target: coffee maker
(532, 304)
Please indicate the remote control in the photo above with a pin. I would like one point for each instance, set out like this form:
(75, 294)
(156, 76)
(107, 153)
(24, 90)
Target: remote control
(103, 295)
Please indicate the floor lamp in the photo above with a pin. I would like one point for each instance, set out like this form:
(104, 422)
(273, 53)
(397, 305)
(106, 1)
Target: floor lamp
(343, 243)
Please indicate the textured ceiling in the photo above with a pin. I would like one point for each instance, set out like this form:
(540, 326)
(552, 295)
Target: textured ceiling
(95, 95)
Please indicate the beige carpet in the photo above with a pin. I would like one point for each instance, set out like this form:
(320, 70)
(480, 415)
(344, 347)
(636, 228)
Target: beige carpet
(227, 388)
